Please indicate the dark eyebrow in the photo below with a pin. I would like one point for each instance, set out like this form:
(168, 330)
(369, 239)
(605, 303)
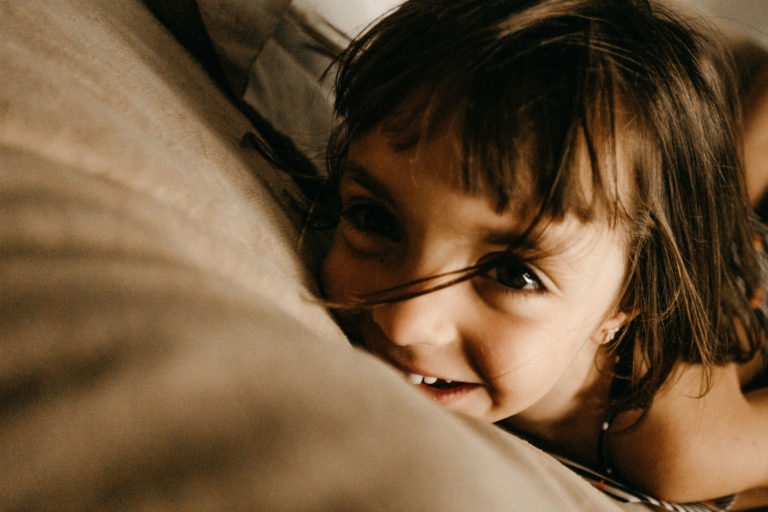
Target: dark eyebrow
(362, 177)
(524, 236)
(365, 179)
(502, 239)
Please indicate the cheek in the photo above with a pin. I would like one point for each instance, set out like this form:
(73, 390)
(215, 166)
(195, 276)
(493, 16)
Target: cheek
(501, 342)
(333, 277)
(343, 275)
(518, 347)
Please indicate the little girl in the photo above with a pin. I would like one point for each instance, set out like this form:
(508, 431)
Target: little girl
(542, 223)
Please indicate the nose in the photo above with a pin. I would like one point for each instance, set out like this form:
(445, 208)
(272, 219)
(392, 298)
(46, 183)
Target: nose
(429, 319)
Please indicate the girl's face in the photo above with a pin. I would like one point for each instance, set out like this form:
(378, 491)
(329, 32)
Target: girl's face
(521, 339)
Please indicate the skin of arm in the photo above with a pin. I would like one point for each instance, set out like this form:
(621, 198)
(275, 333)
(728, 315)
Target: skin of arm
(691, 447)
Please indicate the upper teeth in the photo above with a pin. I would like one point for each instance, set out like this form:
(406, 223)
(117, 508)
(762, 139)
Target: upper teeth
(418, 379)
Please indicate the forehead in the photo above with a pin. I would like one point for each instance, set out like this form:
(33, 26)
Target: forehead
(425, 179)
(593, 180)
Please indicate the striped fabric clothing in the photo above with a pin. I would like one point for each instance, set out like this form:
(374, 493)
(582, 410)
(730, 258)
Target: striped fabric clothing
(625, 494)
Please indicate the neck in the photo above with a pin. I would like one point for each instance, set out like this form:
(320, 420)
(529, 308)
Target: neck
(568, 423)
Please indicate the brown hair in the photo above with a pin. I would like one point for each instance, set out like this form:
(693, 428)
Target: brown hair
(526, 84)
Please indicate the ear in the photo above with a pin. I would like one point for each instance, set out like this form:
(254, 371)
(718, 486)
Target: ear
(607, 330)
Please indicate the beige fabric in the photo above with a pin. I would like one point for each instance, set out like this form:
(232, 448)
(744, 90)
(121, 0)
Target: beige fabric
(157, 348)
(269, 55)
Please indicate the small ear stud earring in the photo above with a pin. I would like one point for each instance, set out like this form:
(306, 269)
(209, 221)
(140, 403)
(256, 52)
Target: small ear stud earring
(609, 335)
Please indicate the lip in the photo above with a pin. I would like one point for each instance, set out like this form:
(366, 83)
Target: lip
(414, 369)
(445, 396)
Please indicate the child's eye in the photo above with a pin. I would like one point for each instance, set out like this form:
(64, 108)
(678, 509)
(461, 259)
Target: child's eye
(517, 276)
(372, 219)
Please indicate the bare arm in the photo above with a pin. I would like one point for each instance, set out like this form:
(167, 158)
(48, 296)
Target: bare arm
(692, 447)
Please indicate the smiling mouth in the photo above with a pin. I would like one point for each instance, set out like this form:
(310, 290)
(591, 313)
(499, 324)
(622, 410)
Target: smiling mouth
(442, 391)
(433, 382)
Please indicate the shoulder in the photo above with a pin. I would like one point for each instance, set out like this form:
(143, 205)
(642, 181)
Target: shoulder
(681, 449)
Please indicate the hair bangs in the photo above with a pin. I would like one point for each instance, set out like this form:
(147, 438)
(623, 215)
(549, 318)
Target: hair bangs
(529, 112)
